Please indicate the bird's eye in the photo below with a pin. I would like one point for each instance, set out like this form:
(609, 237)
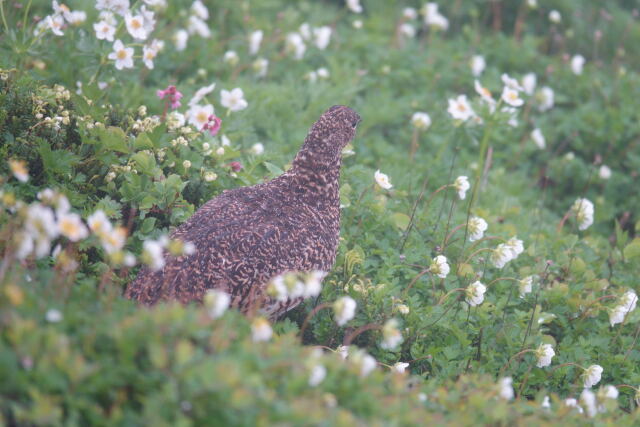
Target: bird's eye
(354, 124)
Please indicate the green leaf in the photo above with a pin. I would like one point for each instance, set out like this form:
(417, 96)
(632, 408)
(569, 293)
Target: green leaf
(142, 142)
(400, 220)
(113, 138)
(632, 250)
(145, 162)
(273, 169)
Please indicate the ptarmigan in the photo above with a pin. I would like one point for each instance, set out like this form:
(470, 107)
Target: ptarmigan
(246, 236)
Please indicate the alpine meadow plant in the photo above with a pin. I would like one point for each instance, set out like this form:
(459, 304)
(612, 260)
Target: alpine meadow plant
(489, 253)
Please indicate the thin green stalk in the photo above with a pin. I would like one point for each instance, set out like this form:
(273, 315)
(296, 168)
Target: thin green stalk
(4, 19)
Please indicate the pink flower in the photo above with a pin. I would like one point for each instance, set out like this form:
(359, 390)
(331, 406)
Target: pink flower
(213, 125)
(235, 166)
(173, 94)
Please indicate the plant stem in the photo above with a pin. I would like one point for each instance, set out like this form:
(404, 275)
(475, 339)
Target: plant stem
(310, 316)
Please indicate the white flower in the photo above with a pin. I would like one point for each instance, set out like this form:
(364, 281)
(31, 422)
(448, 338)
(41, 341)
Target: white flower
(577, 63)
(201, 93)
(529, 82)
(484, 93)
(344, 309)
(76, 17)
(538, 138)
(629, 300)
(546, 403)
(475, 293)
(343, 351)
(260, 66)
(261, 330)
(382, 180)
(460, 109)
(295, 44)
(617, 315)
(210, 176)
(135, 26)
(583, 210)
(544, 353)
(592, 375)
(198, 115)
(55, 24)
(231, 57)
(70, 225)
(99, 223)
(313, 283)
(555, 17)
(363, 361)
(317, 375)
(400, 367)
(354, 6)
(409, 13)
(104, 31)
(439, 266)
(233, 100)
(511, 82)
(19, 170)
(113, 241)
(322, 73)
(516, 247)
(186, 164)
(153, 254)
(305, 31)
(322, 37)
(511, 97)
(545, 98)
(180, 38)
(175, 120)
(257, 148)
(608, 392)
(407, 30)
(198, 26)
(148, 19)
(255, 38)
(40, 222)
(357, 24)
(53, 316)
(433, 18)
(200, 10)
(421, 120)
(216, 302)
(477, 64)
(573, 403)
(461, 185)
(149, 53)
(604, 172)
(392, 337)
(588, 400)
(505, 388)
(525, 286)
(476, 227)
(122, 55)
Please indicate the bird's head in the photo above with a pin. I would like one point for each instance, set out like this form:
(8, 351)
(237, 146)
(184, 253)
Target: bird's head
(334, 129)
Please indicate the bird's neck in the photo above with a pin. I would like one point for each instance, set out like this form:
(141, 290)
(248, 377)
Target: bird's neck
(316, 176)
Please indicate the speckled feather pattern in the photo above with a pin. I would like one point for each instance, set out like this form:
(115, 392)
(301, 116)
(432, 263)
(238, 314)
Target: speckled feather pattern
(246, 236)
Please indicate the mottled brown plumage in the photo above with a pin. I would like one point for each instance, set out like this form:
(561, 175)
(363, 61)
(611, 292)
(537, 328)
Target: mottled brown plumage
(246, 236)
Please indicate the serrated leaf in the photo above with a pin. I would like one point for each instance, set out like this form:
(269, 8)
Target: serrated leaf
(145, 162)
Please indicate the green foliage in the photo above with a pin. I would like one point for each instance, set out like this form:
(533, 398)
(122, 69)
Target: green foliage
(117, 148)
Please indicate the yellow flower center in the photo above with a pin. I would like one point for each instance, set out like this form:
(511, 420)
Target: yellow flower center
(136, 24)
(68, 228)
(462, 107)
(122, 54)
(202, 116)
